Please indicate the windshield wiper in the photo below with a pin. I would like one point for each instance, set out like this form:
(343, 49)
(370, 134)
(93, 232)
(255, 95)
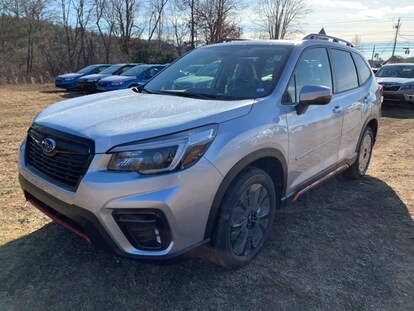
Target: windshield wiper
(140, 89)
(183, 94)
(189, 94)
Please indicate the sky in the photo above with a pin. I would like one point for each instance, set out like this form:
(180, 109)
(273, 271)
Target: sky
(372, 20)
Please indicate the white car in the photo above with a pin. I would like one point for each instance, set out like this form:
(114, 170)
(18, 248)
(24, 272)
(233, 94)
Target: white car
(398, 82)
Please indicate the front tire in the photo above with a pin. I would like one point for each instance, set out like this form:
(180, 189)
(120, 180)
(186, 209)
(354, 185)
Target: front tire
(360, 166)
(245, 218)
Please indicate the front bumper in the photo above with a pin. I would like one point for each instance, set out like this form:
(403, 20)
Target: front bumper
(68, 85)
(180, 197)
(84, 86)
(400, 96)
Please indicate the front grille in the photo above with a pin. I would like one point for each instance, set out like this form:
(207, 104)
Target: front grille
(391, 87)
(68, 162)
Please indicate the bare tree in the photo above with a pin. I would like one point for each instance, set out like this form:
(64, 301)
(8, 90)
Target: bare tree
(281, 17)
(83, 14)
(179, 26)
(155, 21)
(215, 19)
(124, 12)
(32, 11)
(105, 22)
(357, 42)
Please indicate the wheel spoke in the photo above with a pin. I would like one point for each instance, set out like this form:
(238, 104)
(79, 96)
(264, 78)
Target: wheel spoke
(247, 246)
(238, 217)
(244, 201)
(239, 242)
(264, 208)
(257, 235)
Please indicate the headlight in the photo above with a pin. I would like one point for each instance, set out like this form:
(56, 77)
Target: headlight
(69, 79)
(408, 86)
(118, 83)
(92, 80)
(173, 152)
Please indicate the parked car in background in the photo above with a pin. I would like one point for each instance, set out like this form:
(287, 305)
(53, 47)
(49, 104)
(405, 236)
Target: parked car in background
(88, 83)
(68, 81)
(398, 82)
(201, 78)
(134, 76)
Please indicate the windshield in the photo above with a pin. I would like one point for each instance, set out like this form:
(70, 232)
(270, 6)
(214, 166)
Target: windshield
(134, 71)
(223, 72)
(399, 71)
(86, 70)
(112, 69)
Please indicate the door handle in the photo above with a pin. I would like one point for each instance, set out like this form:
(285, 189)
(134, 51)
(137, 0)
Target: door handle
(337, 109)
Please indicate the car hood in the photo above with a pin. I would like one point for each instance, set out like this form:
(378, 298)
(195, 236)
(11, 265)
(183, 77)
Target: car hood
(125, 116)
(94, 76)
(70, 75)
(394, 80)
(117, 78)
(193, 79)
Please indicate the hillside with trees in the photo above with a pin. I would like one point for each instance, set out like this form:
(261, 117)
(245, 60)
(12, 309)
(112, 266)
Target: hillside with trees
(40, 39)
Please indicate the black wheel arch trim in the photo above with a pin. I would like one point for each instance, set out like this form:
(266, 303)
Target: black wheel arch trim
(234, 171)
(374, 131)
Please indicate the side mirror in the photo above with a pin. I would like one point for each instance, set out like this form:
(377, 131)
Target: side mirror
(313, 95)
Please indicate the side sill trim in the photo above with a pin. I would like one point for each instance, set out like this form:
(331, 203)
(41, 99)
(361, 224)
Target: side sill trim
(321, 180)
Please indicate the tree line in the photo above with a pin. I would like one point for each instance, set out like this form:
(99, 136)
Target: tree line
(43, 38)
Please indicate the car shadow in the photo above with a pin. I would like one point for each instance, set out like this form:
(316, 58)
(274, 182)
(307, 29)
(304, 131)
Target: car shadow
(397, 110)
(347, 245)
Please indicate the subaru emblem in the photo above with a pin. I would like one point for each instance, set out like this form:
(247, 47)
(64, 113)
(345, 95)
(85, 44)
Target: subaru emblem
(48, 145)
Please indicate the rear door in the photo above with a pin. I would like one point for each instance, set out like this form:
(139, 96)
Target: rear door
(352, 92)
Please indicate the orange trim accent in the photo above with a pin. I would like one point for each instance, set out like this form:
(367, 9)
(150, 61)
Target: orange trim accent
(319, 181)
(60, 221)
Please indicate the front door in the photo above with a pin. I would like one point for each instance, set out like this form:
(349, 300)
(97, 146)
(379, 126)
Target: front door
(315, 135)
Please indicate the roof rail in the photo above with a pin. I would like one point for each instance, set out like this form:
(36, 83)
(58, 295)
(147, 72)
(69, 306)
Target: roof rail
(230, 40)
(317, 36)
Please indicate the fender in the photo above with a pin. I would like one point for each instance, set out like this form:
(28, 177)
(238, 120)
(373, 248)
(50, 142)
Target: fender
(232, 174)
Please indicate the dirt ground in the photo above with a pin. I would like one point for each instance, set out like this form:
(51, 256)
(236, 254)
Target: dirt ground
(347, 245)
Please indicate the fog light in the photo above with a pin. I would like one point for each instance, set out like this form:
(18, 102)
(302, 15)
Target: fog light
(157, 235)
(144, 229)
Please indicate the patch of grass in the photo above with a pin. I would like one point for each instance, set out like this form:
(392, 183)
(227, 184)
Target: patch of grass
(347, 245)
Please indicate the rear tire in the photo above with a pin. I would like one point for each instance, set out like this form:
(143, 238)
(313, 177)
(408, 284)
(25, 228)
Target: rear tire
(360, 166)
(245, 218)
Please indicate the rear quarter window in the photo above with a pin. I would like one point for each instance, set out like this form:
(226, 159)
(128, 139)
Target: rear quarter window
(363, 70)
(345, 72)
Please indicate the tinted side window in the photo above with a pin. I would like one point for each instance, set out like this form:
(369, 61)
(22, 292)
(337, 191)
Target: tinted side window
(345, 73)
(312, 69)
(363, 69)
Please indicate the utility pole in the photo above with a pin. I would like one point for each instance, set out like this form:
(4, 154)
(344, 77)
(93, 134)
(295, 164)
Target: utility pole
(373, 52)
(397, 28)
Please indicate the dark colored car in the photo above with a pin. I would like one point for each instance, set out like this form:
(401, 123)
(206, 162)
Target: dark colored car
(68, 81)
(135, 76)
(88, 83)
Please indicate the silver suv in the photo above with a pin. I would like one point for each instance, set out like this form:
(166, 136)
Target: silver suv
(196, 158)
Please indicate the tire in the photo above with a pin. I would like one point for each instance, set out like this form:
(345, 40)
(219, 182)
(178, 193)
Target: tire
(360, 166)
(245, 218)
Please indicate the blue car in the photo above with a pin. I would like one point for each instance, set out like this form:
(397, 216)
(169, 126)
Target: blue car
(88, 83)
(135, 76)
(68, 81)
